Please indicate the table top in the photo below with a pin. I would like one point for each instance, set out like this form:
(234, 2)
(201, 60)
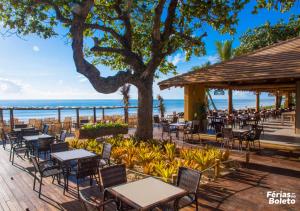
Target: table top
(178, 124)
(240, 130)
(20, 129)
(72, 155)
(36, 137)
(147, 193)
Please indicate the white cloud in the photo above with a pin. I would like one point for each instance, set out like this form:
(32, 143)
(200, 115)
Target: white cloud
(82, 79)
(213, 59)
(60, 82)
(36, 48)
(179, 57)
(10, 86)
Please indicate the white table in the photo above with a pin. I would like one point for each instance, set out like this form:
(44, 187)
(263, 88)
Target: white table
(72, 155)
(146, 193)
(35, 137)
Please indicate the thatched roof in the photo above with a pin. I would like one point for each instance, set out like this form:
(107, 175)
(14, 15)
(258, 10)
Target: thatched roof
(270, 68)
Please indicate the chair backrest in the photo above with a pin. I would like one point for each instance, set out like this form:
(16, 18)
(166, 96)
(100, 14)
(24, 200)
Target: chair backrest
(35, 164)
(188, 179)
(45, 143)
(87, 166)
(113, 175)
(257, 133)
(21, 126)
(59, 147)
(106, 151)
(227, 133)
(45, 129)
(63, 136)
(156, 119)
(165, 127)
(175, 119)
(195, 126)
(218, 126)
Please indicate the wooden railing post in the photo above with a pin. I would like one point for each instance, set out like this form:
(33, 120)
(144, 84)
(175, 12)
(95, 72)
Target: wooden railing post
(103, 116)
(217, 168)
(1, 117)
(11, 118)
(95, 117)
(59, 115)
(77, 118)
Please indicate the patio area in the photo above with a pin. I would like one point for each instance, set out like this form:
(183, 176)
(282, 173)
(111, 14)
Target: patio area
(246, 187)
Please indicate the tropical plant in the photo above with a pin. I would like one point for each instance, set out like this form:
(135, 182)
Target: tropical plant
(117, 153)
(170, 150)
(225, 50)
(133, 37)
(161, 105)
(125, 89)
(73, 143)
(103, 125)
(165, 170)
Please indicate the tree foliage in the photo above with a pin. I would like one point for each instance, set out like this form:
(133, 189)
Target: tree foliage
(225, 50)
(268, 34)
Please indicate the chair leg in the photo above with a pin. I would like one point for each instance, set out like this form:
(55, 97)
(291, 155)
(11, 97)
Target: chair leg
(34, 180)
(40, 190)
(13, 158)
(77, 188)
(11, 151)
(196, 202)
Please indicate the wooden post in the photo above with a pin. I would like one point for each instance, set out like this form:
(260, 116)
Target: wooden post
(257, 102)
(1, 117)
(277, 100)
(11, 118)
(103, 116)
(194, 95)
(217, 168)
(77, 118)
(288, 100)
(59, 115)
(95, 117)
(230, 101)
(297, 115)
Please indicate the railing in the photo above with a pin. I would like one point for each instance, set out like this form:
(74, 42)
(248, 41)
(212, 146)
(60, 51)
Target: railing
(59, 109)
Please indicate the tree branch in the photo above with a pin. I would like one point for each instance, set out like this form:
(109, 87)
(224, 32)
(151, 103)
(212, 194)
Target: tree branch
(170, 19)
(58, 13)
(125, 17)
(101, 84)
(156, 23)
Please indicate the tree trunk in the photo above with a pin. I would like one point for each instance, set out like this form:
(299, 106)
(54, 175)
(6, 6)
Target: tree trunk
(145, 110)
(126, 114)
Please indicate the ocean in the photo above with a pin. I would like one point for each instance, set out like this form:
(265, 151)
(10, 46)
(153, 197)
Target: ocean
(171, 105)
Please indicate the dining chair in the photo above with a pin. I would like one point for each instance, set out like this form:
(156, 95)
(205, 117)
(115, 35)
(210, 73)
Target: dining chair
(62, 136)
(87, 167)
(105, 157)
(110, 176)
(44, 146)
(45, 129)
(192, 127)
(45, 169)
(228, 138)
(189, 180)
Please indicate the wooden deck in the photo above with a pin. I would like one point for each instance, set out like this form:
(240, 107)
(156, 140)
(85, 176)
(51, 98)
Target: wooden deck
(244, 189)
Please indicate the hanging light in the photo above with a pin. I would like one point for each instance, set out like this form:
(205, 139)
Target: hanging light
(219, 92)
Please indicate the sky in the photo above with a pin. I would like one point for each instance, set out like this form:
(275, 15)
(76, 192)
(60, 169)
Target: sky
(34, 68)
